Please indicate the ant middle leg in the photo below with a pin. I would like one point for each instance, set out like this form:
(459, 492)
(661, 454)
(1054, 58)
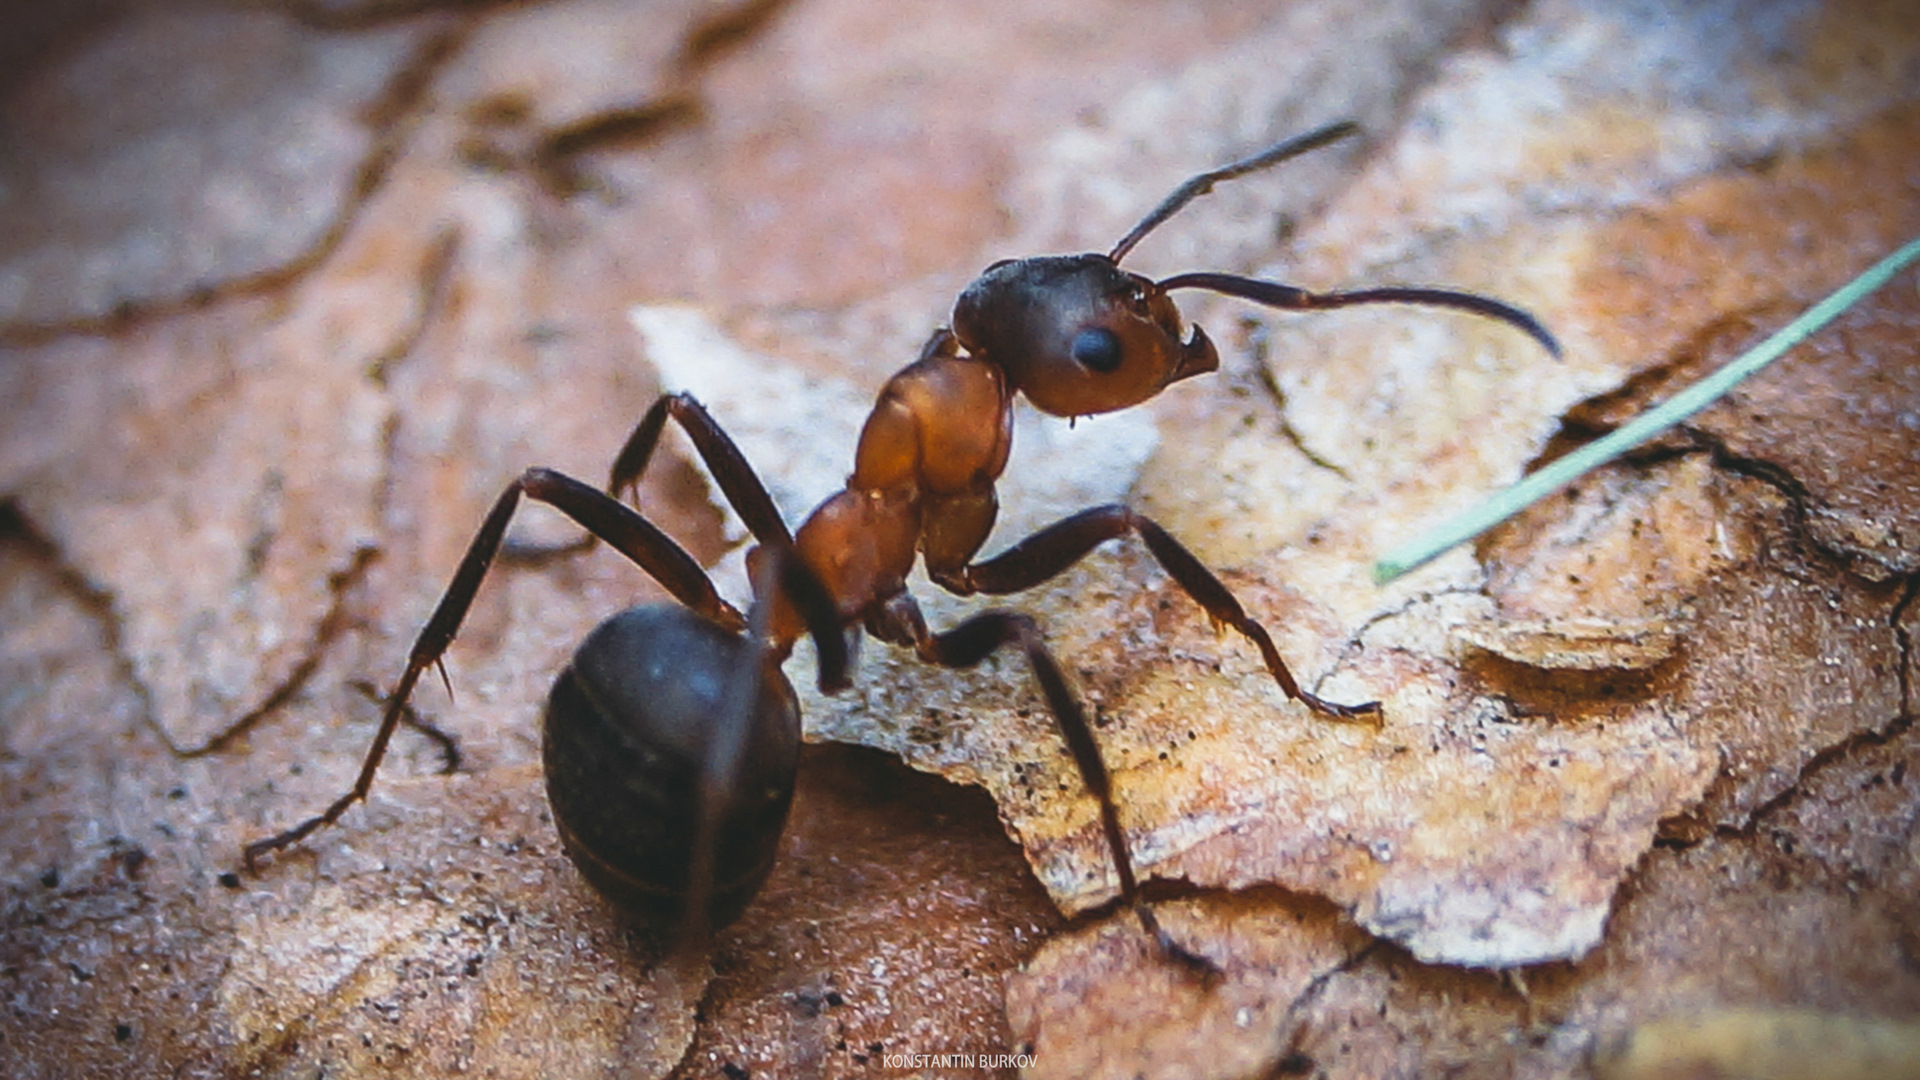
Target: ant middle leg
(602, 516)
(738, 482)
(898, 621)
(1053, 549)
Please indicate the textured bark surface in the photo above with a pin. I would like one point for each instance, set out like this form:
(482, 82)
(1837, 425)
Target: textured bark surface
(289, 293)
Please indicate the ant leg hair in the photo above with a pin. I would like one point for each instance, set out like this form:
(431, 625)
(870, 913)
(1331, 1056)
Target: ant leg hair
(602, 516)
(738, 482)
(899, 621)
(1050, 551)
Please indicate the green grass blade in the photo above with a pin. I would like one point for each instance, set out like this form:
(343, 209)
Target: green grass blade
(1561, 471)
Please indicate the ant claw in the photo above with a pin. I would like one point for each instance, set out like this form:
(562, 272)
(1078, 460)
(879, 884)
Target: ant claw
(1202, 969)
(1365, 713)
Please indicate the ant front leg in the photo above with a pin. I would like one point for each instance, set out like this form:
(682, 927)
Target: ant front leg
(1053, 549)
(898, 621)
(602, 516)
(738, 482)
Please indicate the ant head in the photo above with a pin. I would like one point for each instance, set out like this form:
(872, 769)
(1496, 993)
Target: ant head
(1077, 334)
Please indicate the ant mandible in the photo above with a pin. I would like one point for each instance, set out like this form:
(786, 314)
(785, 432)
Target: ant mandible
(671, 739)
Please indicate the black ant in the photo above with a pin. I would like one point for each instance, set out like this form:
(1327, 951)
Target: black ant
(670, 741)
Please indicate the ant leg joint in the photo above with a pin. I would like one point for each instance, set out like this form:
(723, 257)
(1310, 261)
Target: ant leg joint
(956, 580)
(897, 621)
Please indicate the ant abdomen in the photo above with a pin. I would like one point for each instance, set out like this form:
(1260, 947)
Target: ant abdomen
(629, 731)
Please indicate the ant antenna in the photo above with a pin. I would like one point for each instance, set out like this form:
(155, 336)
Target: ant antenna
(1200, 185)
(1287, 297)
(1275, 295)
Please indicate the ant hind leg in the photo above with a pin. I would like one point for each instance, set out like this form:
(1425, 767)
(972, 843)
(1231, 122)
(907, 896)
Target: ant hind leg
(602, 516)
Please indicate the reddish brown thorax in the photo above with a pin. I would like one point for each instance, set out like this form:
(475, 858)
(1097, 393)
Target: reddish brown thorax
(1075, 333)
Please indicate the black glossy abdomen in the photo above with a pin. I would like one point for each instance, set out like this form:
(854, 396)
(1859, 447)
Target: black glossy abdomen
(628, 728)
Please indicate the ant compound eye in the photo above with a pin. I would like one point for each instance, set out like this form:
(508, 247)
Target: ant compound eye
(1097, 349)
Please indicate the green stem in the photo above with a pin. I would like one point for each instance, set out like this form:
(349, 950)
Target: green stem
(1561, 471)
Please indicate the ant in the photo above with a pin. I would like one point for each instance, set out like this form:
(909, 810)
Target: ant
(670, 741)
